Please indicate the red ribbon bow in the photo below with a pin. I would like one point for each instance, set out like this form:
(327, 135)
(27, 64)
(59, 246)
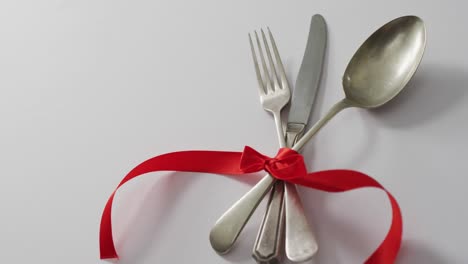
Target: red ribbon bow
(287, 165)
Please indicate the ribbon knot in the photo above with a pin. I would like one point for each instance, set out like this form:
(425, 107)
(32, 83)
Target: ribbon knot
(286, 165)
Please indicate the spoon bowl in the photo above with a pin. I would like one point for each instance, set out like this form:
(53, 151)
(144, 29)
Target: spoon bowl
(385, 62)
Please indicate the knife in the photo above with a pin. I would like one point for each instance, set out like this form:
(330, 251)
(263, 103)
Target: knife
(300, 242)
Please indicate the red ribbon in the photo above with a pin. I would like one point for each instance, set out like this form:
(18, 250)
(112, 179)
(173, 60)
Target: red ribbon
(287, 165)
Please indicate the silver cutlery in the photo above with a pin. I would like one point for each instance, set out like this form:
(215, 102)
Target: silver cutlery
(274, 92)
(274, 95)
(300, 241)
(377, 72)
(379, 69)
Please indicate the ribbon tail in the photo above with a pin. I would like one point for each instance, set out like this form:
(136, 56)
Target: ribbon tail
(387, 252)
(106, 240)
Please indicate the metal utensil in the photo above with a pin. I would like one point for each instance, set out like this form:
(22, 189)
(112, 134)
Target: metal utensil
(300, 241)
(274, 95)
(269, 241)
(378, 71)
(273, 100)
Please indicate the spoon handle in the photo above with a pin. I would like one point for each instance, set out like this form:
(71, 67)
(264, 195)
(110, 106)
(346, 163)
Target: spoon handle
(343, 104)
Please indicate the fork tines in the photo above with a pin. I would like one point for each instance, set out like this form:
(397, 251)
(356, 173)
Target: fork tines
(270, 81)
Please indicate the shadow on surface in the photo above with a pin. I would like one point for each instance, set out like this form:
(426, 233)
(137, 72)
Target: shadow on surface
(249, 179)
(151, 217)
(412, 252)
(432, 92)
(154, 211)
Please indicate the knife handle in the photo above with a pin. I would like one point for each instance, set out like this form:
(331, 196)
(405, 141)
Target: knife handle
(301, 244)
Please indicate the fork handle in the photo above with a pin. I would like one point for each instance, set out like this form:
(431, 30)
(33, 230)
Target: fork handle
(268, 244)
(279, 129)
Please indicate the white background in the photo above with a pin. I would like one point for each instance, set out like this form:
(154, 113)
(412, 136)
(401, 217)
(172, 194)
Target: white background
(90, 88)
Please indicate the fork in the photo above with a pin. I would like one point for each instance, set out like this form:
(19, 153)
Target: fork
(274, 95)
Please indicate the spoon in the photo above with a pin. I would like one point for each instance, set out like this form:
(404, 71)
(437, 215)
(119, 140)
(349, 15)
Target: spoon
(379, 69)
(377, 72)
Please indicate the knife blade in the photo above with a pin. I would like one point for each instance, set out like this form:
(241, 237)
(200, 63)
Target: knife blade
(300, 244)
(308, 79)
